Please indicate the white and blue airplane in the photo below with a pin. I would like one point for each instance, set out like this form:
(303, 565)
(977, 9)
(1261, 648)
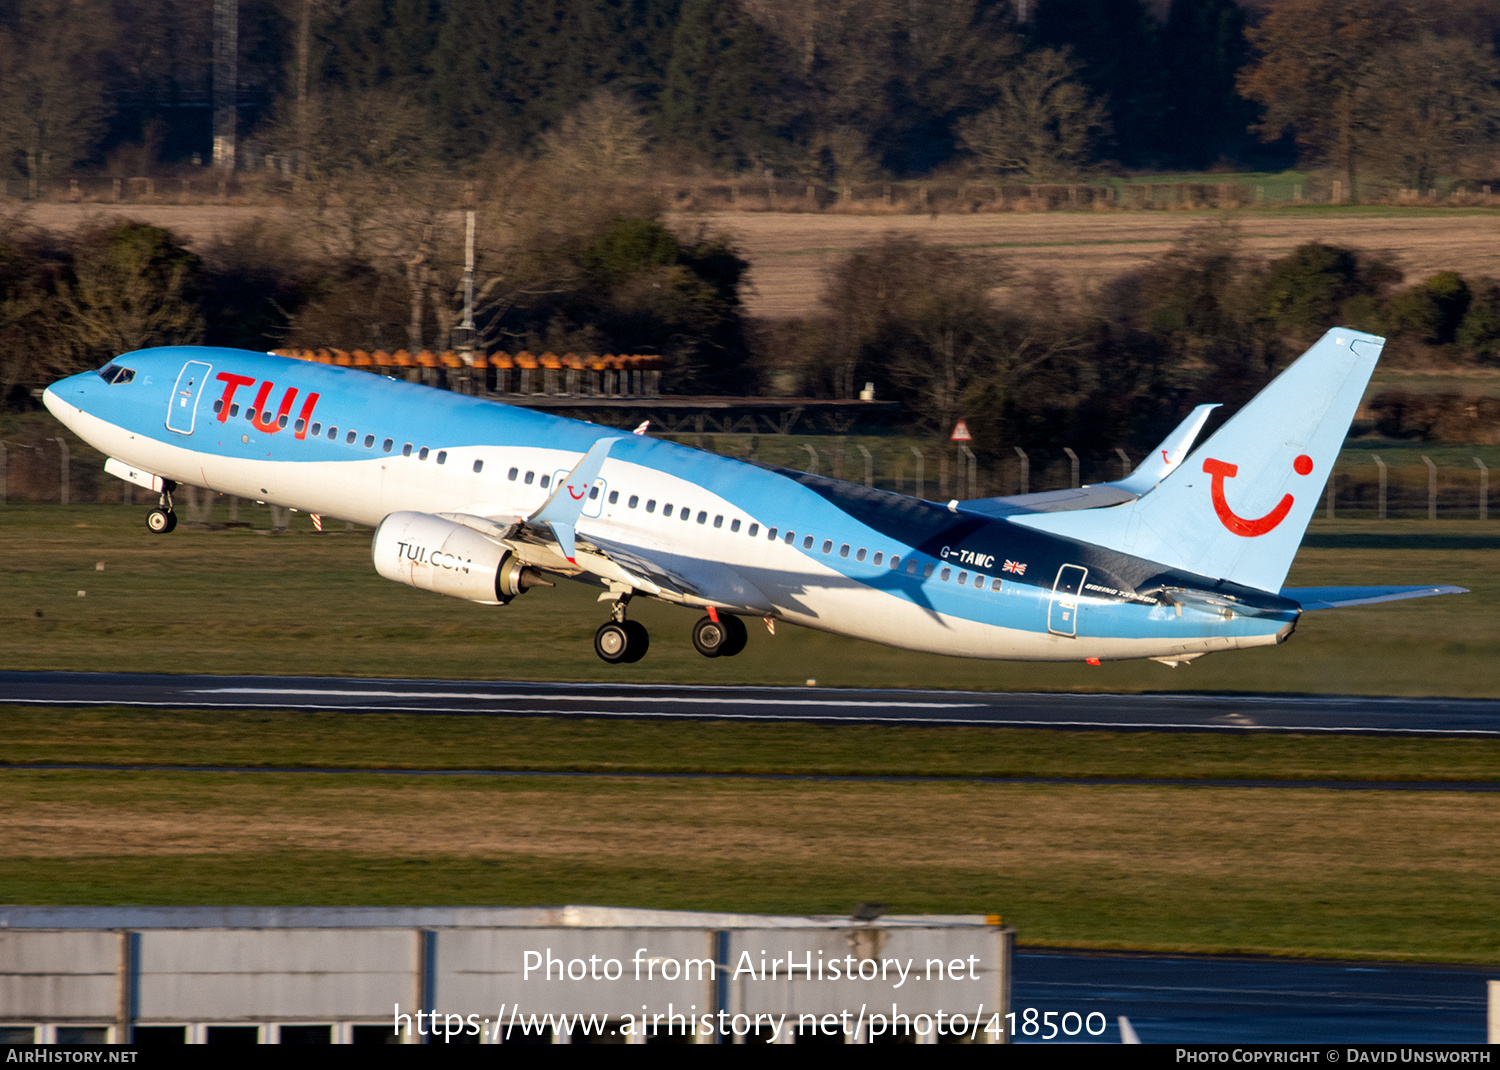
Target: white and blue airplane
(480, 500)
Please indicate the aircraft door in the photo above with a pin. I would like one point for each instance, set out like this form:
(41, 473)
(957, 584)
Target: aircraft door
(182, 410)
(1062, 614)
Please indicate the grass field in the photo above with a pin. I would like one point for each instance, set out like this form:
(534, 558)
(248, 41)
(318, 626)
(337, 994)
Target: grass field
(246, 601)
(1292, 870)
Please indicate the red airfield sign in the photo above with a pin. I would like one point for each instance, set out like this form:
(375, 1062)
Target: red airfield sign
(961, 432)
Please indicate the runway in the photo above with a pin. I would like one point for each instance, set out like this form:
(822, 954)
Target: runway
(1350, 714)
(1187, 999)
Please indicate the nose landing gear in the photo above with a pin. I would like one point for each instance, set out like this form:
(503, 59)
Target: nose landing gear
(163, 519)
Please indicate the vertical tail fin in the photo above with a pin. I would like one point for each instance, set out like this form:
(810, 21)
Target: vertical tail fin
(1237, 508)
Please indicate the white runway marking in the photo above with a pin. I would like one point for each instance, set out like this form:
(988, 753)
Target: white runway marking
(497, 696)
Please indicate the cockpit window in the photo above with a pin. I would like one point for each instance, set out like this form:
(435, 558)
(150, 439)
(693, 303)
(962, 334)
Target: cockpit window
(114, 374)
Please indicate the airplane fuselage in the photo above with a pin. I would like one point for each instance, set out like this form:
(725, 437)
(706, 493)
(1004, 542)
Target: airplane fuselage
(711, 531)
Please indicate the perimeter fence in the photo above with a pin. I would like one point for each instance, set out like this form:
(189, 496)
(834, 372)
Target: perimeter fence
(1363, 485)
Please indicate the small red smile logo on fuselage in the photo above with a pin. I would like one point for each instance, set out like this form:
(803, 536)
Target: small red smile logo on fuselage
(1249, 527)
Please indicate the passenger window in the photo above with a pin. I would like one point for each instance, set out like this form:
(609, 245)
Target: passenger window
(406, 450)
(614, 497)
(734, 525)
(719, 522)
(771, 534)
(927, 571)
(478, 467)
(370, 442)
(512, 474)
(281, 421)
(979, 581)
(879, 556)
(807, 543)
(594, 492)
(963, 578)
(666, 510)
(791, 537)
(702, 516)
(234, 410)
(350, 437)
(300, 426)
(753, 530)
(844, 551)
(945, 574)
(651, 506)
(385, 447)
(546, 482)
(686, 513)
(827, 545)
(995, 584)
(895, 562)
(911, 567)
(635, 499)
(422, 453)
(333, 432)
(250, 414)
(860, 556)
(317, 429)
(219, 406)
(442, 457)
(529, 477)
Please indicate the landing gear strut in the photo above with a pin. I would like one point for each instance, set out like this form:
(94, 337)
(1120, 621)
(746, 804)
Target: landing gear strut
(722, 638)
(163, 519)
(620, 641)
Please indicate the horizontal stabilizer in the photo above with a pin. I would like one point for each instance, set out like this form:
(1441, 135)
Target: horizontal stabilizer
(1338, 597)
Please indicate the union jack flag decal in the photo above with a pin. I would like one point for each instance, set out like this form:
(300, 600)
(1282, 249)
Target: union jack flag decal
(1018, 567)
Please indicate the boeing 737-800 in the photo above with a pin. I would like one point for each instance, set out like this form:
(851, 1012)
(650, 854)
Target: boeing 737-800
(481, 500)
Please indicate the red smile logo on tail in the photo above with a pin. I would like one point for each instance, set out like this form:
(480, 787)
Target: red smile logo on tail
(1249, 528)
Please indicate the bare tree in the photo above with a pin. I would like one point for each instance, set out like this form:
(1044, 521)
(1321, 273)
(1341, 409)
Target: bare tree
(1434, 102)
(51, 101)
(130, 289)
(1316, 63)
(1043, 123)
(605, 138)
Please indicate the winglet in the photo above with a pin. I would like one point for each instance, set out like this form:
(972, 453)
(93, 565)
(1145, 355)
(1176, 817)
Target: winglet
(560, 512)
(1168, 455)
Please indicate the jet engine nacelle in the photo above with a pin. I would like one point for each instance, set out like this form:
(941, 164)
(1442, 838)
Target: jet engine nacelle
(431, 553)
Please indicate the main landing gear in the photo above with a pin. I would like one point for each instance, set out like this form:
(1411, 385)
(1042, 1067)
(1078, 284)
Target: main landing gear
(720, 637)
(163, 519)
(620, 641)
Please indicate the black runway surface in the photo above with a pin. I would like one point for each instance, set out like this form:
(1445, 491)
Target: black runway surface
(1207, 1000)
(1149, 712)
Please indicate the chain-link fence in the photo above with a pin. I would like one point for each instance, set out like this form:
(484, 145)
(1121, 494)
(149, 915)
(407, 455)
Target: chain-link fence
(1364, 485)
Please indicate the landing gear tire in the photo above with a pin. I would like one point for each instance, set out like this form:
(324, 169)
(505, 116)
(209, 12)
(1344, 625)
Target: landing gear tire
(621, 642)
(722, 638)
(161, 521)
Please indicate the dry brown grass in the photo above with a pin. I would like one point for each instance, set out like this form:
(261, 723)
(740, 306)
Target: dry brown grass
(791, 253)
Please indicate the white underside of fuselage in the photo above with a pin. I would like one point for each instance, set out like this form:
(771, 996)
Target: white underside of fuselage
(769, 578)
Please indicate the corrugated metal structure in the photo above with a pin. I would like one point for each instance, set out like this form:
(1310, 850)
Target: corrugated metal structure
(496, 975)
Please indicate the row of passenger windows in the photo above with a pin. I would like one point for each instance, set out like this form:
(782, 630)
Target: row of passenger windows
(685, 512)
(879, 558)
(350, 437)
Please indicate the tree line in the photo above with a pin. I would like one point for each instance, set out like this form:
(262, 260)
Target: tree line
(1027, 359)
(951, 334)
(833, 91)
